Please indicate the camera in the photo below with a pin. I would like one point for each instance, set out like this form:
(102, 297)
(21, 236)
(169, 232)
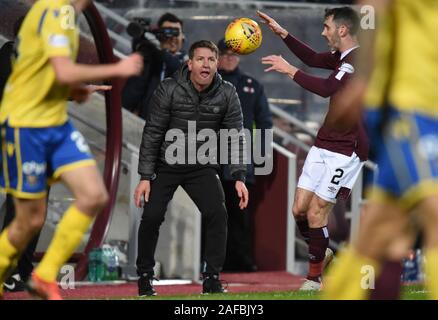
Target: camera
(140, 26)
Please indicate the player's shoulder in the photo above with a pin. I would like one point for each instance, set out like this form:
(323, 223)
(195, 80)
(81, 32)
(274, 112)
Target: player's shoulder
(347, 64)
(53, 3)
(44, 5)
(44, 9)
(346, 67)
(350, 58)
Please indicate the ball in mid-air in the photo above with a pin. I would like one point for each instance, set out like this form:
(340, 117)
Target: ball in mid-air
(243, 36)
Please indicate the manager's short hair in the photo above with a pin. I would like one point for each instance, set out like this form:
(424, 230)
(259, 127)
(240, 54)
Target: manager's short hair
(203, 44)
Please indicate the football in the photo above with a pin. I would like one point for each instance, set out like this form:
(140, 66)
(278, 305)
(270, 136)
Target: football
(243, 36)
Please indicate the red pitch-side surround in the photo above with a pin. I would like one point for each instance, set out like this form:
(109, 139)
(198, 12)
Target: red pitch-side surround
(113, 139)
(270, 218)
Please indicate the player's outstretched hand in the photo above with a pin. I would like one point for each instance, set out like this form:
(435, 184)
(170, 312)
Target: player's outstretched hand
(94, 88)
(81, 93)
(243, 194)
(279, 64)
(143, 190)
(131, 66)
(273, 25)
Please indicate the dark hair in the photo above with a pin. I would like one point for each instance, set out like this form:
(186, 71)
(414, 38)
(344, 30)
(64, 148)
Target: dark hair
(203, 44)
(169, 17)
(346, 16)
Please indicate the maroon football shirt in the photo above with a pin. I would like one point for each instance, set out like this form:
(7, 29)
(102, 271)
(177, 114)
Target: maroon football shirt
(330, 136)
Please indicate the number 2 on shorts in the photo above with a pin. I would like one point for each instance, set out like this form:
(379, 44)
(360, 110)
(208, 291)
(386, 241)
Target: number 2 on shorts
(337, 176)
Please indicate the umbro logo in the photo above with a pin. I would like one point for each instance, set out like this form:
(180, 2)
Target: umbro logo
(331, 189)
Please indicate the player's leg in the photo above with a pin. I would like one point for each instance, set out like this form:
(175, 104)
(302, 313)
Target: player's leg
(428, 214)
(90, 195)
(69, 160)
(205, 189)
(388, 283)
(317, 216)
(358, 266)
(299, 211)
(310, 177)
(338, 173)
(15, 282)
(28, 221)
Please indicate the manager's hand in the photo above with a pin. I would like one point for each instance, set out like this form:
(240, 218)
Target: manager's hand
(243, 194)
(143, 189)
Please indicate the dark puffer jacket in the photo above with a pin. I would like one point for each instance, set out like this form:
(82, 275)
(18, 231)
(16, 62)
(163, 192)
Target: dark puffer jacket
(176, 102)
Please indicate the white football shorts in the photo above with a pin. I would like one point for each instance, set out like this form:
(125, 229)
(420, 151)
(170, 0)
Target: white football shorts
(325, 173)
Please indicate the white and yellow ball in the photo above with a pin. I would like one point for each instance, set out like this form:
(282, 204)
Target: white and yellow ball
(243, 36)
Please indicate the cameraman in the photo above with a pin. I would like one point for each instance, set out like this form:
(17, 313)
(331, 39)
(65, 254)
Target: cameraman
(161, 49)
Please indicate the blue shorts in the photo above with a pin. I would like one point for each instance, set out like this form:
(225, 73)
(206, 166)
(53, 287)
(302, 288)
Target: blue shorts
(31, 157)
(406, 154)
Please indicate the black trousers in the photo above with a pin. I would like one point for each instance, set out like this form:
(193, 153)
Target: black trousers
(205, 189)
(25, 266)
(239, 255)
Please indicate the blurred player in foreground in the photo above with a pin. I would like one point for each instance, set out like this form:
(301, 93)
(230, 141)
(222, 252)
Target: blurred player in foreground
(336, 159)
(39, 143)
(401, 98)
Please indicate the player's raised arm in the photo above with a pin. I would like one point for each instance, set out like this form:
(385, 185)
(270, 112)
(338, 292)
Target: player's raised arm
(273, 25)
(305, 53)
(323, 87)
